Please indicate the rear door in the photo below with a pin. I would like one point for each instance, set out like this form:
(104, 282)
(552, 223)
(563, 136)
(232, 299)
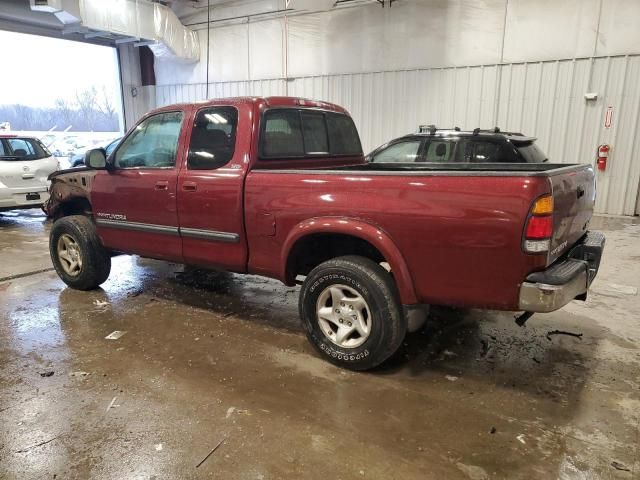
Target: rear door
(135, 203)
(211, 188)
(574, 199)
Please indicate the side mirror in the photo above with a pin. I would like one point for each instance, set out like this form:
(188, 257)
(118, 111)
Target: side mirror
(96, 159)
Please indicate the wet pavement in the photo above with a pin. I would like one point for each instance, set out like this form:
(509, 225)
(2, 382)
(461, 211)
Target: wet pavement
(205, 357)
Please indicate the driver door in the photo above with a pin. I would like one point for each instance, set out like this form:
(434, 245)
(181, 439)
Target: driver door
(134, 203)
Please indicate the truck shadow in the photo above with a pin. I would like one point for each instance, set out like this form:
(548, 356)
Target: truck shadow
(248, 297)
(489, 349)
(454, 342)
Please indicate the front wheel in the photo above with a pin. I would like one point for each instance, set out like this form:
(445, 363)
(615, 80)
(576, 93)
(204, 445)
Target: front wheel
(77, 253)
(351, 312)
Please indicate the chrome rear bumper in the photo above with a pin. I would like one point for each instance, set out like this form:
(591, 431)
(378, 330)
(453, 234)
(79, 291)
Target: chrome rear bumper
(565, 280)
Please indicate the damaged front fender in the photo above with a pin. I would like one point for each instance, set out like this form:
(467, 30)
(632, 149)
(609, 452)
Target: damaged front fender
(69, 189)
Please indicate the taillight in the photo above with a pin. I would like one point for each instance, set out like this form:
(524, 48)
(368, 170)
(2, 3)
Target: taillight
(539, 227)
(539, 230)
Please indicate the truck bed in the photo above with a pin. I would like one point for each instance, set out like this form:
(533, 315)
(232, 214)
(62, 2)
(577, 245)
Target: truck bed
(459, 226)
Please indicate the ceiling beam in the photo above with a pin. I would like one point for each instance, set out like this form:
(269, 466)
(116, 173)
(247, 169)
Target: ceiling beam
(120, 41)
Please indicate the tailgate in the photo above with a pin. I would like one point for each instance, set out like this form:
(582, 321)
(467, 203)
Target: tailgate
(27, 173)
(574, 193)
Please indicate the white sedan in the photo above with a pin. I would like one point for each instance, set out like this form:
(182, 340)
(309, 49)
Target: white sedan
(25, 164)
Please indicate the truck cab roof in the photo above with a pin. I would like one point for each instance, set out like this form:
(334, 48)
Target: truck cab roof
(262, 103)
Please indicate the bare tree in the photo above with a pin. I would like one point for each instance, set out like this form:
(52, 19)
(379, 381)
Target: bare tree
(65, 111)
(106, 105)
(25, 117)
(87, 101)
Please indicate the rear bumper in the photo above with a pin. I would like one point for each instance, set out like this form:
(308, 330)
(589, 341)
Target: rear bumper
(15, 198)
(566, 279)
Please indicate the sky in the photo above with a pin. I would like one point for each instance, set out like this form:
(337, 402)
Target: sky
(37, 70)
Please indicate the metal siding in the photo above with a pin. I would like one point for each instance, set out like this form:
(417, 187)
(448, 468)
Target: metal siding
(543, 99)
(168, 94)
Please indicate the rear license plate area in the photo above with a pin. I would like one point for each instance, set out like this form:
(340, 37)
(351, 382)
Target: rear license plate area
(33, 196)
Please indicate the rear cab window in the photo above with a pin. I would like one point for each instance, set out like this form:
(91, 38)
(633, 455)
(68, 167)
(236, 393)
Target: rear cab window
(290, 133)
(21, 149)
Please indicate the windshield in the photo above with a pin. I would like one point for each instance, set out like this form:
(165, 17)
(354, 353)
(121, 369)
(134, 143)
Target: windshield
(20, 149)
(530, 152)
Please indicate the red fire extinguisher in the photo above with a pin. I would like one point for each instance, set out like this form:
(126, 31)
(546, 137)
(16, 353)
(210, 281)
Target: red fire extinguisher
(603, 154)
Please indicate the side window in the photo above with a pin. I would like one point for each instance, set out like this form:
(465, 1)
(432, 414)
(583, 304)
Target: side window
(213, 138)
(153, 143)
(26, 148)
(282, 135)
(314, 132)
(2, 150)
(21, 148)
(485, 152)
(343, 135)
(470, 150)
(403, 152)
(439, 151)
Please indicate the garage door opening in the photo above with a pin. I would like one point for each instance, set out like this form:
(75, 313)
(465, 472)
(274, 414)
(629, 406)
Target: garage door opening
(66, 93)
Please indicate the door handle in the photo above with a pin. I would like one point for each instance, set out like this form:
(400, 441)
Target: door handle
(27, 176)
(580, 191)
(162, 185)
(189, 186)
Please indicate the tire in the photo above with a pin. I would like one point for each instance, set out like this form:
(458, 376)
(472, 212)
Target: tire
(76, 235)
(381, 319)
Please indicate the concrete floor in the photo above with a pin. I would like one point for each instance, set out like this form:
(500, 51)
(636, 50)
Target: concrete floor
(217, 357)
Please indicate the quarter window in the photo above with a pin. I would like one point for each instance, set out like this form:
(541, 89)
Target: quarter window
(152, 144)
(482, 151)
(530, 152)
(485, 152)
(213, 139)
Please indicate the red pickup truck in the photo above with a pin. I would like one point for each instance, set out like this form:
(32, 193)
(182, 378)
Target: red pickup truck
(280, 187)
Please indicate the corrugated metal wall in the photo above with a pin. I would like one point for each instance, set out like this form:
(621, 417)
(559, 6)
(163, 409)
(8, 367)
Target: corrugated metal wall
(544, 99)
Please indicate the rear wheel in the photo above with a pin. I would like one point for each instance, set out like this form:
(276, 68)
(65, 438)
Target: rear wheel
(350, 309)
(77, 253)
